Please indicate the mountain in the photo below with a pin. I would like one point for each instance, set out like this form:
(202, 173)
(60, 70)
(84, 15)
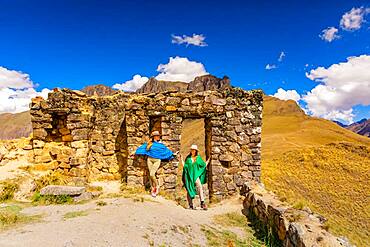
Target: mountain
(314, 162)
(154, 86)
(99, 90)
(208, 82)
(15, 125)
(199, 84)
(340, 124)
(361, 127)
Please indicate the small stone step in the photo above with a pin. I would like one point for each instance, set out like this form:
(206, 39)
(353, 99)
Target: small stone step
(62, 190)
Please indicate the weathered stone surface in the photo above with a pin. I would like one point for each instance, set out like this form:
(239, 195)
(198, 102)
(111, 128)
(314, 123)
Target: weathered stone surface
(62, 190)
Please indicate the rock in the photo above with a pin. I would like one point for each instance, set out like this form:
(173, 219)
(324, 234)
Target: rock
(62, 190)
(83, 197)
(226, 157)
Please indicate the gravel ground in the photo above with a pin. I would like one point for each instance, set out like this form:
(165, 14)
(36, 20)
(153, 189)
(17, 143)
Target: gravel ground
(121, 222)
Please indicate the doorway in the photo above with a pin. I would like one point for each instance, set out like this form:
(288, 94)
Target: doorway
(197, 131)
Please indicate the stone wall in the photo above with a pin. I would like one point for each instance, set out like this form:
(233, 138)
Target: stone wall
(284, 225)
(94, 137)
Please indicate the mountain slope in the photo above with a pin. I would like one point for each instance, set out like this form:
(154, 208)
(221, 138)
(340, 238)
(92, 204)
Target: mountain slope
(319, 164)
(15, 125)
(361, 127)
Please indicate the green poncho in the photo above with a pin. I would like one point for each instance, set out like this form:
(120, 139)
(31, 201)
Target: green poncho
(191, 172)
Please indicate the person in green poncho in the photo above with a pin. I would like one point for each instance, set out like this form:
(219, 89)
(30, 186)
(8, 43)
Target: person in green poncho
(194, 175)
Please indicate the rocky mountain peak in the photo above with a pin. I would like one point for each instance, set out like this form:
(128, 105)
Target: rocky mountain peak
(154, 86)
(208, 82)
(199, 84)
(99, 90)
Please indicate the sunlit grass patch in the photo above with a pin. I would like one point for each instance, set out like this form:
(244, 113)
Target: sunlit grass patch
(39, 199)
(221, 238)
(11, 216)
(75, 214)
(332, 180)
(225, 236)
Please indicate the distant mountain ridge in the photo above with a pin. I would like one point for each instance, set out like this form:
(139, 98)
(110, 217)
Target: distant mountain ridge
(361, 127)
(199, 84)
(99, 90)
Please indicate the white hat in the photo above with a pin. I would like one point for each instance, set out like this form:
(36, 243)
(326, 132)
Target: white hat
(195, 147)
(156, 133)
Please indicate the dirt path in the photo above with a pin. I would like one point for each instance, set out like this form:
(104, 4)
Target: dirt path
(122, 222)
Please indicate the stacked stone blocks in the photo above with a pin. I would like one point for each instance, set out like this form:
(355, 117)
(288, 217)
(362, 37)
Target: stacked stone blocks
(96, 137)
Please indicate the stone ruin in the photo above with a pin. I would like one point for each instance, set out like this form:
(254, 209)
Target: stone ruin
(93, 137)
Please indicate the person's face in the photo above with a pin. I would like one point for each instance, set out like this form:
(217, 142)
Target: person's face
(193, 152)
(156, 138)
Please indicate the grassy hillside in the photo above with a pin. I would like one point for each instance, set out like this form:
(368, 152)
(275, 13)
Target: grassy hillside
(15, 125)
(314, 162)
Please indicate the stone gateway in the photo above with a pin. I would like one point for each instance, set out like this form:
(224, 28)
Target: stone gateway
(94, 137)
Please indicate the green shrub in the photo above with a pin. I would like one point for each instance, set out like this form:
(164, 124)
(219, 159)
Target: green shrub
(8, 188)
(51, 199)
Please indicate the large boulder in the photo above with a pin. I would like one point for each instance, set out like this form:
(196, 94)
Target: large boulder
(57, 190)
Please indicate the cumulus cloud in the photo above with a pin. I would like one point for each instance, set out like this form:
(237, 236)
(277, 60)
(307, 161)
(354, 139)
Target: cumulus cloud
(196, 40)
(16, 91)
(270, 66)
(353, 19)
(132, 85)
(341, 87)
(180, 69)
(281, 56)
(329, 34)
(14, 79)
(287, 94)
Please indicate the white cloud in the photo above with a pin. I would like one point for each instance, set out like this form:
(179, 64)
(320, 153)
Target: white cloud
(16, 91)
(180, 69)
(329, 34)
(132, 85)
(346, 116)
(343, 86)
(196, 40)
(270, 66)
(18, 100)
(353, 19)
(14, 79)
(287, 94)
(281, 56)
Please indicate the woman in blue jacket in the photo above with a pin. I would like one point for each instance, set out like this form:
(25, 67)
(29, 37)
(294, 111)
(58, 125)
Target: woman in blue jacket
(156, 151)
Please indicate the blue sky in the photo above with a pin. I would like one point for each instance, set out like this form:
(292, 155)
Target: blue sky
(78, 43)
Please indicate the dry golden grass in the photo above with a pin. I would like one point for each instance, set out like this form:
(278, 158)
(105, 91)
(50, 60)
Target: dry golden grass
(312, 160)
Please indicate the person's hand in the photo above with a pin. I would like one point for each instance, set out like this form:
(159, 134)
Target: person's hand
(207, 162)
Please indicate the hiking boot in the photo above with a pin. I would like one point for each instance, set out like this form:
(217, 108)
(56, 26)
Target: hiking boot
(192, 207)
(203, 206)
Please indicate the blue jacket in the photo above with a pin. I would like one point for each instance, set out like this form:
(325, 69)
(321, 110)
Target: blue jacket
(158, 151)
